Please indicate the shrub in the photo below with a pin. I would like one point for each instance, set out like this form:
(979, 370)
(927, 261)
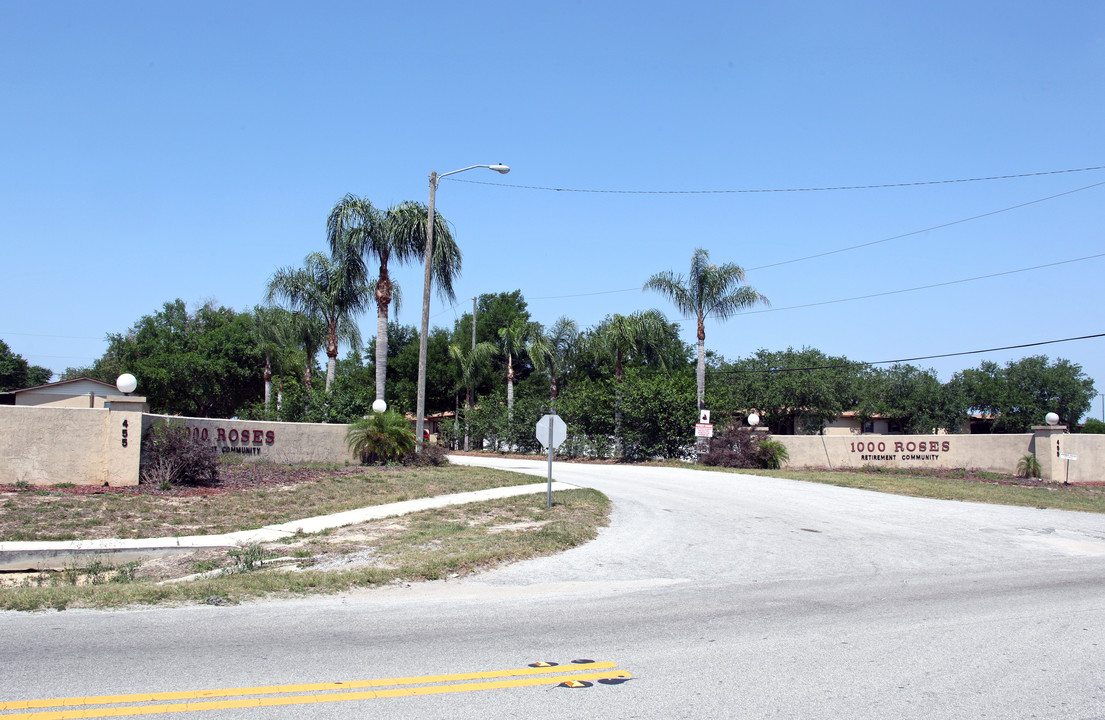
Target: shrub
(381, 437)
(736, 447)
(772, 454)
(1028, 466)
(170, 456)
(431, 456)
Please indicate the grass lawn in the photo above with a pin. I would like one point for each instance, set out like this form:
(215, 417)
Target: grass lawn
(963, 485)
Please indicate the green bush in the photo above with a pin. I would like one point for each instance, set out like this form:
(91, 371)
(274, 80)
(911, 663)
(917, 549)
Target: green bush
(170, 456)
(1028, 466)
(381, 437)
(772, 454)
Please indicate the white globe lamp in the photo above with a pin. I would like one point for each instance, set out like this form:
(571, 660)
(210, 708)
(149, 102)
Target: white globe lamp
(1051, 419)
(379, 406)
(126, 383)
(753, 419)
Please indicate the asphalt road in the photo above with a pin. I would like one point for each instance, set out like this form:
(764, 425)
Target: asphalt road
(722, 595)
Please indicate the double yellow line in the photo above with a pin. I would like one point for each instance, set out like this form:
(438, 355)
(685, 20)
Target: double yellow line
(263, 696)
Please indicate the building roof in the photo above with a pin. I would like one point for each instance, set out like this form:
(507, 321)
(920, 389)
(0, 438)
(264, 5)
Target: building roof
(58, 385)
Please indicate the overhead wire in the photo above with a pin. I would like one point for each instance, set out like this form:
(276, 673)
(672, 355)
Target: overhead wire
(904, 360)
(853, 247)
(924, 287)
(781, 190)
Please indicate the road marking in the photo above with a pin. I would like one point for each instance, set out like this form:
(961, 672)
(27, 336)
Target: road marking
(524, 677)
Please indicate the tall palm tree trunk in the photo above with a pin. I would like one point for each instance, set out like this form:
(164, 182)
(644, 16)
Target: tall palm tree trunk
(700, 374)
(331, 353)
(467, 415)
(509, 387)
(383, 300)
(268, 380)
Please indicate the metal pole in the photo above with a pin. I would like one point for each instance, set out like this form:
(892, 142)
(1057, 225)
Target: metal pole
(420, 405)
(473, 323)
(549, 493)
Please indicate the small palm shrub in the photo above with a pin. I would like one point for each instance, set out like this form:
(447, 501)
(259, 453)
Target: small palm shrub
(1028, 466)
(381, 437)
(772, 454)
(171, 456)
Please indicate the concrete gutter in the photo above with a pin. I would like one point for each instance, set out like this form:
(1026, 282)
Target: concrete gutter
(57, 555)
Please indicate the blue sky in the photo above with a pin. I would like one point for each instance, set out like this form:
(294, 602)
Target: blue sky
(161, 150)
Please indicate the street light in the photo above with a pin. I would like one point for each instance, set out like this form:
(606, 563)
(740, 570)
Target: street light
(420, 407)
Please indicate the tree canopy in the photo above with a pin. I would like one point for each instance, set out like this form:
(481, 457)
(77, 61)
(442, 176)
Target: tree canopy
(205, 363)
(16, 373)
(1019, 395)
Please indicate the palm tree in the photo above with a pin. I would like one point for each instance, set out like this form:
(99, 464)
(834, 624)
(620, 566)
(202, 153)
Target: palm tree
(624, 337)
(513, 340)
(398, 234)
(332, 289)
(469, 364)
(309, 333)
(551, 351)
(272, 330)
(709, 289)
(381, 437)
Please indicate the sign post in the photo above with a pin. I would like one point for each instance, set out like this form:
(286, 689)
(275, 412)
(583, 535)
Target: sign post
(551, 432)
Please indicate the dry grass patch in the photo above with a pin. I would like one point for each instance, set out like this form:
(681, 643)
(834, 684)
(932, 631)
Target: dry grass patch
(241, 502)
(429, 545)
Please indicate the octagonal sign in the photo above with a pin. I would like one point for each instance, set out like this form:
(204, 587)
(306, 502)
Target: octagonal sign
(559, 431)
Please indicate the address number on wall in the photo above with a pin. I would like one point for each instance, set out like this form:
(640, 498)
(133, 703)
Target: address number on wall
(125, 433)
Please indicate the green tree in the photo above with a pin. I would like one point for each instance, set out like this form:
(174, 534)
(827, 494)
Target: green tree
(201, 364)
(552, 351)
(1022, 392)
(402, 369)
(469, 364)
(913, 396)
(513, 340)
(620, 338)
(308, 332)
(274, 333)
(332, 289)
(795, 391)
(708, 290)
(16, 373)
(399, 235)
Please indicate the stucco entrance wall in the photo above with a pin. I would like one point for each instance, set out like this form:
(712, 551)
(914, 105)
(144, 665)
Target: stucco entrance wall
(84, 446)
(273, 441)
(991, 453)
(1072, 458)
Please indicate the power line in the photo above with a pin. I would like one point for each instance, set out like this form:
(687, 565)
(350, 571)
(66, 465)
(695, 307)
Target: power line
(858, 297)
(851, 247)
(925, 230)
(782, 190)
(923, 287)
(911, 359)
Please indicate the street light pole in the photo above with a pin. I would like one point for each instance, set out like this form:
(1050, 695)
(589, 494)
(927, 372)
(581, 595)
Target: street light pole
(423, 338)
